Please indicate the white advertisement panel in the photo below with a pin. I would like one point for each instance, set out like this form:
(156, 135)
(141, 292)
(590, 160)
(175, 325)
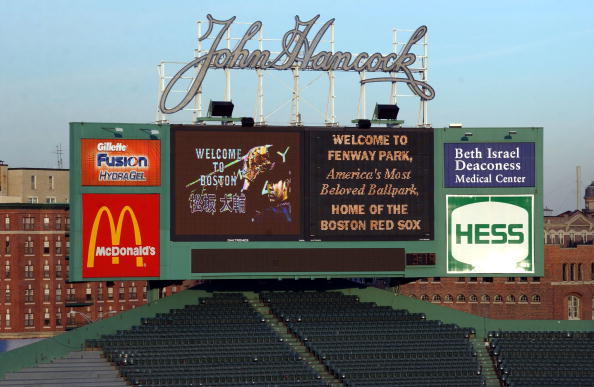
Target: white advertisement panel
(490, 234)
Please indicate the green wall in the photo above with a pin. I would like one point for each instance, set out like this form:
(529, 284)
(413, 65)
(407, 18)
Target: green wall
(175, 256)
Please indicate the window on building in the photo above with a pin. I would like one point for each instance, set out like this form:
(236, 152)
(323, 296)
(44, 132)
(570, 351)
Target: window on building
(46, 293)
(46, 270)
(33, 182)
(573, 308)
(67, 247)
(579, 272)
(46, 318)
(29, 270)
(436, 279)
(461, 298)
(564, 269)
(7, 223)
(498, 298)
(51, 182)
(28, 222)
(7, 319)
(424, 297)
(536, 299)
(29, 319)
(46, 246)
(423, 279)
(29, 294)
(511, 298)
(7, 269)
(487, 279)
(535, 279)
(485, 298)
(58, 270)
(7, 246)
(58, 319)
(523, 279)
(100, 292)
(70, 294)
(50, 199)
(67, 224)
(89, 293)
(110, 293)
(448, 298)
(473, 298)
(461, 279)
(524, 299)
(121, 295)
(46, 224)
(7, 294)
(59, 293)
(58, 246)
(132, 292)
(511, 279)
(473, 279)
(58, 223)
(144, 293)
(29, 246)
(33, 199)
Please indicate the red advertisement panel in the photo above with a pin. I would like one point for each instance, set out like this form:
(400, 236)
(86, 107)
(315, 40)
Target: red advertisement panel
(120, 235)
(120, 162)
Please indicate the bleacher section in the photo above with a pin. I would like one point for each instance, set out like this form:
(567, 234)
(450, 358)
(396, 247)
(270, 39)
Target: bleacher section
(366, 345)
(220, 341)
(543, 358)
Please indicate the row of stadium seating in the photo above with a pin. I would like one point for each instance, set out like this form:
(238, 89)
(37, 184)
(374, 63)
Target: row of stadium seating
(220, 341)
(543, 358)
(362, 344)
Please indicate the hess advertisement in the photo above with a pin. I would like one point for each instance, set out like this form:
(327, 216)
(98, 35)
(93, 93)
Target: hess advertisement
(235, 184)
(120, 162)
(373, 184)
(120, 235)
(490, 234)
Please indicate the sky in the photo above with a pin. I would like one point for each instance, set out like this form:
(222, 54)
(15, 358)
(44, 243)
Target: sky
(504, 63)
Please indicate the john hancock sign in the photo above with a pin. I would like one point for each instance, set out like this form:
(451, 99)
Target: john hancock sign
(298, 51)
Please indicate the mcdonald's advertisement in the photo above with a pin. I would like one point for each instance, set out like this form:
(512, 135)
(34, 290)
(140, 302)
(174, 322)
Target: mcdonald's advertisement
(120, 162)
(120, 235)
(236, 184)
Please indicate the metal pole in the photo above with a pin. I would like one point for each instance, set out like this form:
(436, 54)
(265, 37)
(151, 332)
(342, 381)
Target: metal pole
(198, 98)
(228, 71)
(330, 116)
(295, 114)
(259, 116)
(361, 106)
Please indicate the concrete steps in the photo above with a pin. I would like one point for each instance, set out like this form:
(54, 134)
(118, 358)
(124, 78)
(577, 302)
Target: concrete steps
(282, 330)
(82, 368)
(486, 362)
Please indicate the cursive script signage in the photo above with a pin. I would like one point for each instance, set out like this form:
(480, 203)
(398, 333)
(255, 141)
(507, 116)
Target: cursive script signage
(298, 51)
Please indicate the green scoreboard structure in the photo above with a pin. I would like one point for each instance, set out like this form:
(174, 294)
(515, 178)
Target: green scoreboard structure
(173, 202)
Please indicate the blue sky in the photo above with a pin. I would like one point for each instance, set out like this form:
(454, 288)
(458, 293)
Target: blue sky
(504, 63)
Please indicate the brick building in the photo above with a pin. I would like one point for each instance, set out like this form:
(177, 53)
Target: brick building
(566, 292)
(36, 298)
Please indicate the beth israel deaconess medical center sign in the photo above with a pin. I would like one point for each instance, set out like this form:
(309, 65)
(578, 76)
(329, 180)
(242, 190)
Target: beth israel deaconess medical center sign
(298, 51)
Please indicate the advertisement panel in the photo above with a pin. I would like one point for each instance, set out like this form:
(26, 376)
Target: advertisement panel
(371, 184)
(231, 184)
(120, 235)
(489, 165)
(490, 234)
(120, 162)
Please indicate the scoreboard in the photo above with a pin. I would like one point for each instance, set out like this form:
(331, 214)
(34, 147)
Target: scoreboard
(197, 202)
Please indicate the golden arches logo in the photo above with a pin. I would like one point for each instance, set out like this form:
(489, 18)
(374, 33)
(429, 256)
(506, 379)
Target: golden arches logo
(116, 234)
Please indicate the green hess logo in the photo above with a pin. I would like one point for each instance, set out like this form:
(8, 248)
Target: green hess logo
(490, 234)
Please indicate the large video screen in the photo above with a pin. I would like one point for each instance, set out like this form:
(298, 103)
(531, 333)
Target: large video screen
(371, 184)
(235, 184)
